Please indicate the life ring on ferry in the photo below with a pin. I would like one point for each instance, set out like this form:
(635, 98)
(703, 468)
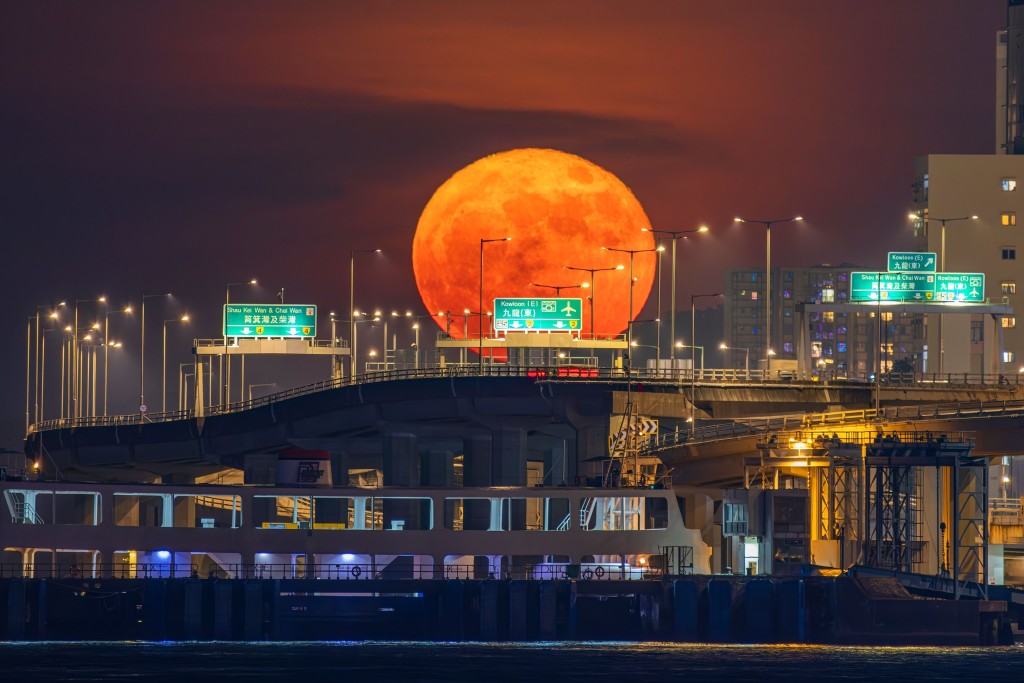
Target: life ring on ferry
(356, 572)
(588, 573)
(599, 572)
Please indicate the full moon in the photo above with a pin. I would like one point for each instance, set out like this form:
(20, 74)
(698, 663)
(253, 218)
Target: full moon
(559, 210)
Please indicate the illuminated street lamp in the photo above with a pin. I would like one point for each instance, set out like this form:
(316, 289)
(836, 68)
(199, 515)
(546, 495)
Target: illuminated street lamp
(942, 268)
(674, 235)
(163, 402)
(746, 357)
(127, 310)
(590, 286)
(352, 313)
(481, 300)
(632, 281)
(40, 360)
(75, 410)
(768, 353)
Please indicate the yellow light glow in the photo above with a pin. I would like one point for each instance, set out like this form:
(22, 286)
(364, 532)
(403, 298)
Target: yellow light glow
(702, 228)
(184, 318)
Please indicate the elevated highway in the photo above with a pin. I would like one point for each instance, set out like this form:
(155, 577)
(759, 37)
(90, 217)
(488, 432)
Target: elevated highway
(561, 415)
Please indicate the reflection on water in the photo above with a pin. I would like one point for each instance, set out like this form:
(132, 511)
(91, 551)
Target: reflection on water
(546, 662)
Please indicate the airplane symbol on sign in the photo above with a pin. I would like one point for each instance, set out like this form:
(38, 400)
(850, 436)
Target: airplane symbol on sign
(568, 310)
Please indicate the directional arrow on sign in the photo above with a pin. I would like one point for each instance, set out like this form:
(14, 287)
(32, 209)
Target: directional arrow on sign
(559, 324)
(293, 331)
(929, 262)
(516, 324)
(246, 330)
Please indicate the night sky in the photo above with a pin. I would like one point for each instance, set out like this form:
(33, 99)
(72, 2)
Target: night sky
(178, 146)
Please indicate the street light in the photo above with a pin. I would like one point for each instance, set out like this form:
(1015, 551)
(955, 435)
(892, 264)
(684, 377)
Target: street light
(674, 235)
(746, 357)
(352, 313)
(481, 300)
(591, 287)
(693, 325)
(629, 334)
(632, 281)
(558, 288)
(74, 343)
(768, 281)
(142, 352)
(942, 267)
(40, 381)
(225, 358)
(163, 402)
(106, 353)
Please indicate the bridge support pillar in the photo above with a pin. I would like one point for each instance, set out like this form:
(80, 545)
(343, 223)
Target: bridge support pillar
(508, 457)
(436, 466)
(402, 468)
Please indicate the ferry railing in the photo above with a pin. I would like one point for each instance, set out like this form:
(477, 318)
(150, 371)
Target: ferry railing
(557, 373)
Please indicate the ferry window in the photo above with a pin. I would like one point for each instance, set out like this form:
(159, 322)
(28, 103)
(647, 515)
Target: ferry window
(1009, 184)
(656, 513)
(612, 513)
(515, 514)
(178, 510)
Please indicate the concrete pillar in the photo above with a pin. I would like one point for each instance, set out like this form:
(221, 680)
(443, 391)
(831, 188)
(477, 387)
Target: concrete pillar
(401, 460)
(591, 442)
(476, 471)
(166, 510)
(260, 468)
(436, 466)
(401, 468)
(508, 457)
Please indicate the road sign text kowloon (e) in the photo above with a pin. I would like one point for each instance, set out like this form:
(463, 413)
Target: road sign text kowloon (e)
(911, 262)
(556, 314)
(270, 320)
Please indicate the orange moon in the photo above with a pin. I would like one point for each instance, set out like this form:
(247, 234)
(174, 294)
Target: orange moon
(560, 210)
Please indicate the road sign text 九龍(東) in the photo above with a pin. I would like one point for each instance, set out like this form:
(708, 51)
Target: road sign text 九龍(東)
(966, 287)
(556, 314)
(269, 320)
(892, 287)
(911, 262)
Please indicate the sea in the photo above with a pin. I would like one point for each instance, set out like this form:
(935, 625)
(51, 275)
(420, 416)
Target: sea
(541, 662)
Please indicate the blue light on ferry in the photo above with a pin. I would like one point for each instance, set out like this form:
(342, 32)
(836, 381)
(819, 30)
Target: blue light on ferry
(347, 557)
(163, 554)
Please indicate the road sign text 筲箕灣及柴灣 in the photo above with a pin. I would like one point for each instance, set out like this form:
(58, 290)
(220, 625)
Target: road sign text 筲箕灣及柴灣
(556, 314)
(270, 320)
(911, 262)
(892, 286)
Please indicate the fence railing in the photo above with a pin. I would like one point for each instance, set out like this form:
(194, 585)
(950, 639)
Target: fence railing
(557, 373)
(747, 427)
(336, 571)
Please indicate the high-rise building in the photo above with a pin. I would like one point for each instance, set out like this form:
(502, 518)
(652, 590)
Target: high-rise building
(841, 344)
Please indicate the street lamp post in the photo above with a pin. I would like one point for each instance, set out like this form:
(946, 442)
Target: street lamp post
(591, 287)
(75, 409)
(353, 362)
(225, 359)
(106, 350)
(942, 268)
(674, 235)
(483, 241)
(632, 253)
(746, 357)
(558, 288)
(768, 281)
(40, 339)
(142, 352)
(163, 401)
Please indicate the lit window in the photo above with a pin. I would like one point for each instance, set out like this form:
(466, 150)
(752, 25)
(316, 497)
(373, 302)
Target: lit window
(1009, 253)
(1008, 287)
(841, 347)
(1009, 356)
(1009, 218)
(1009, 184)
(788, 347)
(828, 295)
(1009, 322)
(753, 295)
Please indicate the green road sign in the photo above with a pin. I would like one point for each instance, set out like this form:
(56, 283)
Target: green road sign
(892, 287)
(967, 287)
(269, 320)
(911, 262)
(533, 315)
